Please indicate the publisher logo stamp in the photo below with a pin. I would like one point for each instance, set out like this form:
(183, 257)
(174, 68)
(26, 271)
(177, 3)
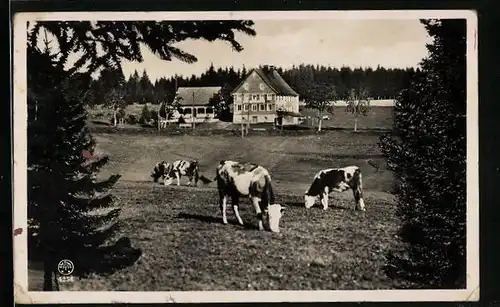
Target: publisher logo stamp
(65, 267)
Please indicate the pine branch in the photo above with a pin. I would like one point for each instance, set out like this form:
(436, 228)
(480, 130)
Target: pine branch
(91, 203)
(87, 184)
(101, 219)
(94, 165)
(99, 237)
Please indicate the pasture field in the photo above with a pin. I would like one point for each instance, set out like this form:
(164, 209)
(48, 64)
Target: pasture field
(186, 247)
(378, 117)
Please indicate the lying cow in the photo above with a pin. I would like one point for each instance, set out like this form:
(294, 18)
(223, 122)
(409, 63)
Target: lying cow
(175, 170)
(338, 180)
(235, 179)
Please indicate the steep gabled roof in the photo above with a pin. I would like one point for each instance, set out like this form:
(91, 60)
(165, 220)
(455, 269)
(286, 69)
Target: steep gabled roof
(273, 79)
(202, 95)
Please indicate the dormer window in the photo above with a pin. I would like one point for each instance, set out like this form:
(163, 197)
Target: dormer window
(246, 86)
(261, 86)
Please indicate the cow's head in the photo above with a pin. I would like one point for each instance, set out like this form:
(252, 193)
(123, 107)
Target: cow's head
(158, 171)
(274, 212)
(309, 200)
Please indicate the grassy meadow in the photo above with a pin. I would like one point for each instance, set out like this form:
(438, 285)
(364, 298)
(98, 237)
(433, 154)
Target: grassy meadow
(378, 117)
(186, 247)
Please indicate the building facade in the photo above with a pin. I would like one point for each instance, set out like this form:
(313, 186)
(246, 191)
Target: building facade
(194, 103)
(264, 97)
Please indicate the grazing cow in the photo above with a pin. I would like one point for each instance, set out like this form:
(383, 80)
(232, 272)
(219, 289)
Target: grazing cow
(236, 179)
(338, 180)
(159, 171)
(177, 169)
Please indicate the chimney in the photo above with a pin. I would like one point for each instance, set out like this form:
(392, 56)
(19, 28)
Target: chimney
(268, 68)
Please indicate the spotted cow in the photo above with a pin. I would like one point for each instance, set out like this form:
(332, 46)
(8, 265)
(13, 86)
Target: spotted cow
(175, 170)
(236, 179)
(338, 180)
(159, 171)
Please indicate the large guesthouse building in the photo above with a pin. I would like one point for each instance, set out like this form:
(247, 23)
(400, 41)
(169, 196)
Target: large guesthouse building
(264, 97)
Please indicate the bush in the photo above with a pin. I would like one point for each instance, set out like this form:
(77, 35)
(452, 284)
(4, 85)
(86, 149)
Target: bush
(131, 119)
(428, 156)
(145, 115)
(121, 114)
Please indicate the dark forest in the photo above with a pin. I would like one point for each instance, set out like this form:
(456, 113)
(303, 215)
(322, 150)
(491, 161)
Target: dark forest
(381, 83)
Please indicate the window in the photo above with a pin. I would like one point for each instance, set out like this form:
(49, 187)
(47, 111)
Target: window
(256, 97)
(261, 86)
(238, 107)
(246, 86)
(201, 110)
(269, 107)
(210, 110)
(254, 107)
(250, 97)
(254, 119)
(187, 111)
(262, 107)
(246, 107)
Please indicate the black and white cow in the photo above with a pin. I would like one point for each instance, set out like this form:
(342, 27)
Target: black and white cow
(338, 180)
(175, 170)
(236, 179)
(159, 171)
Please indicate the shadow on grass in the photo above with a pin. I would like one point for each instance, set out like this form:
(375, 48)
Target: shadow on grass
(315, 207)
(215, 220)
(101, 123)
(104, 260)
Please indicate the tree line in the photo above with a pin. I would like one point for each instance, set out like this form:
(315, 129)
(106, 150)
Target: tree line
(382, 83)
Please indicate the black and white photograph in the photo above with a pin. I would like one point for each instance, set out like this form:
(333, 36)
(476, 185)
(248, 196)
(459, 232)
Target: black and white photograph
(245, 156)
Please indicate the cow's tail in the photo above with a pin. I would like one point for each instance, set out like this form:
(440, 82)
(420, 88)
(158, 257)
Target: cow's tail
(373, 164)
(196, 171)
(268, 197)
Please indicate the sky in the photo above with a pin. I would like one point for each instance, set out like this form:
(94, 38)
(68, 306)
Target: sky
(390, 43)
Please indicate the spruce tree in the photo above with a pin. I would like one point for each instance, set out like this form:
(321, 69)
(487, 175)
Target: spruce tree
(72, 215)
(427, 153)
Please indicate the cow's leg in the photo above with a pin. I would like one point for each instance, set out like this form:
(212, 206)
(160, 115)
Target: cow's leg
(324, 198)
(190, 179)
(178, 176)
(235, 201)
(256, 205)
(358, 197)
(223, 206)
